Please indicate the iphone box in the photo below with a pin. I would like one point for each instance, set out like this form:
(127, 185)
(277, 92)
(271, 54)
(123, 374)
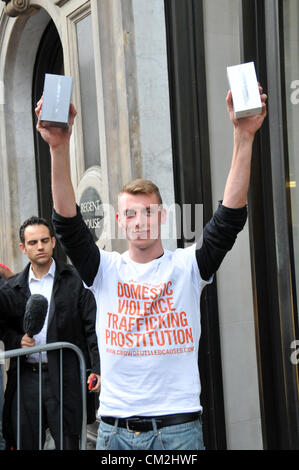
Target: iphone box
(245, 92)
(56, 100)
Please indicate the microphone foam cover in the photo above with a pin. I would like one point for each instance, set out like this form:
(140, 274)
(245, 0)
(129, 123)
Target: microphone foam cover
(35, 314)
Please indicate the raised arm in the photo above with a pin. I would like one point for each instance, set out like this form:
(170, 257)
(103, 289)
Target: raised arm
(64, 200)
(220, 233)
(70, 228)
(236, 189)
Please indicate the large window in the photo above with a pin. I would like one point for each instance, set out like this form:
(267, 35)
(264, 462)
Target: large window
(88, 92)
(291, 54)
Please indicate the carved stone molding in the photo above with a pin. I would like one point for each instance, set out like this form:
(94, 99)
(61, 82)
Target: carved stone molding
(59, 3)
(16, 8)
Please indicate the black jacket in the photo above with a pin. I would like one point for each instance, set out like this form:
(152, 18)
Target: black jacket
(72, 319)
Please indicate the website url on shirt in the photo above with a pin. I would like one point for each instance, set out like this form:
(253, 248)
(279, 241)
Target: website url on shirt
(150, 352)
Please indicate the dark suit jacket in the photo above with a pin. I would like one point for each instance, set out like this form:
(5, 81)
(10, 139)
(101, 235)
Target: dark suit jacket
(72, 317)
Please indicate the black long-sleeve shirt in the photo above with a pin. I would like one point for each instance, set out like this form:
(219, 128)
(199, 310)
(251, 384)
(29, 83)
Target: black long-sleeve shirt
(219, 236)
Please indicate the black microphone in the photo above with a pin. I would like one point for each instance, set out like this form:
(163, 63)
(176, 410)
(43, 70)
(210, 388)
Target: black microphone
(35, 314)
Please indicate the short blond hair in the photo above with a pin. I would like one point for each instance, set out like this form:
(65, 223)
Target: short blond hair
(142, 186)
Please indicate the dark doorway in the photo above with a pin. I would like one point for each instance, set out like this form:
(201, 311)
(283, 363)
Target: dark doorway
(49, 59)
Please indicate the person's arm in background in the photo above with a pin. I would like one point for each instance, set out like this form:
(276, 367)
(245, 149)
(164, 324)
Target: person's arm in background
(5, 272)
(10, 332)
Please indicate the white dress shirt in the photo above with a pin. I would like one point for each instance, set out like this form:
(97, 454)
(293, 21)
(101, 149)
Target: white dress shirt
(43, 286)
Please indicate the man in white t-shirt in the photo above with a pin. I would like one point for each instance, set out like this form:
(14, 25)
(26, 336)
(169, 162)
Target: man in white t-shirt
(148, 298)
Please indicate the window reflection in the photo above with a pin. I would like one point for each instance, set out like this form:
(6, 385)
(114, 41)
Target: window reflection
(291, 52)
(88, 92)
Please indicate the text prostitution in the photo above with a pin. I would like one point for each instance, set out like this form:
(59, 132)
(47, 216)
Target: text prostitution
(147, 317)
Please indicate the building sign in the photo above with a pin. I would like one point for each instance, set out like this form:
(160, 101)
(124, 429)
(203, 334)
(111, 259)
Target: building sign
(92, 211)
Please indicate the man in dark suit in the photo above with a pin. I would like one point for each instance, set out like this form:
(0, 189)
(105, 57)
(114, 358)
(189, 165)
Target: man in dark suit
(70, 318)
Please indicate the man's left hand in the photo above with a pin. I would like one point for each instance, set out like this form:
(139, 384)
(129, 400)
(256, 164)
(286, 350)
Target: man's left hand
(97, 385)
(250, 124)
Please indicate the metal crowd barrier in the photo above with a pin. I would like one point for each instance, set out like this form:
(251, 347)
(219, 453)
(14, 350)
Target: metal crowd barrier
(39, 349)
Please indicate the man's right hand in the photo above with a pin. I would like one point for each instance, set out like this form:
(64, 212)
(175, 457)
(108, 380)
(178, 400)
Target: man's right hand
(64, 200)
(55, 136)
(27, 341)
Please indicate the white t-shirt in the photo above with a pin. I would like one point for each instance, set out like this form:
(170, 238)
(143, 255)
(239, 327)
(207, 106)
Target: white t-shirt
(148, 328)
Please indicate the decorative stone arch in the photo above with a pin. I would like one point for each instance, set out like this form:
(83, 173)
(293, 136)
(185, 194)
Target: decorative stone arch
(16, 8)
(22, 24)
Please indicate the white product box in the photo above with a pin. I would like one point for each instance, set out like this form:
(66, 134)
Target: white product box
(245, 92)
(56, 100)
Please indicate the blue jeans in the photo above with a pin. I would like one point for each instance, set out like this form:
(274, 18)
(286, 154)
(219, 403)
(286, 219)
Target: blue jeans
(186, 436)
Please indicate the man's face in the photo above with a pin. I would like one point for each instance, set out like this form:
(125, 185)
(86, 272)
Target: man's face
(140, 216)
(38, 244)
